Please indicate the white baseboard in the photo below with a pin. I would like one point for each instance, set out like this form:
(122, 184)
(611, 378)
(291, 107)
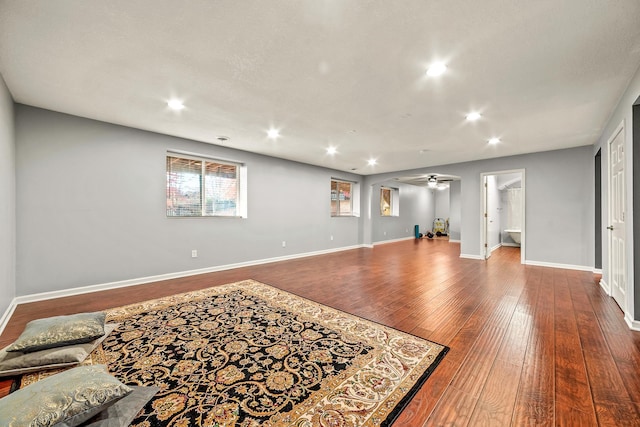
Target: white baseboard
(496, 247)
(633, 324)
(597, 271)
(556, 265)
(605, 287)
(469, 256)
(454, 241)
(141, 280)
(4, 320)
(382, 242)
(513, 245)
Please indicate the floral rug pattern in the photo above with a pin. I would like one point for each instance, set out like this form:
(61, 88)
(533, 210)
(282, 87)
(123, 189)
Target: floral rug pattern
(247, 354)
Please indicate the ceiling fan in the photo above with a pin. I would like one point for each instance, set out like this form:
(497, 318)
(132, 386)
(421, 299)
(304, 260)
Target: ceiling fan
(434, 180)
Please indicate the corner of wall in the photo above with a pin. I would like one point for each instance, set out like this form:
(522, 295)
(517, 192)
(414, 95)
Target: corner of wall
(8, 195)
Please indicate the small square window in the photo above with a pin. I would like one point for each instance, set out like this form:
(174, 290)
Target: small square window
(198, 187)
(344, 198)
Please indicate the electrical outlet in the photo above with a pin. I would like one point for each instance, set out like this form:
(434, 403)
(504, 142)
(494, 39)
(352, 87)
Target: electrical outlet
(284, 244)
(384, 233)
(194, 253)
(331, 237)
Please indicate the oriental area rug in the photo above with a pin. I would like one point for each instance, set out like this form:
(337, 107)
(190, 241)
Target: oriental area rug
(248, 354)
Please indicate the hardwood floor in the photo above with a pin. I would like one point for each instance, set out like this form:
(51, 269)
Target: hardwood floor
(529, 345)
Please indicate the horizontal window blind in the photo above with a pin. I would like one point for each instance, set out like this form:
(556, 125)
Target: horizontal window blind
(201, 187)
(184, 187)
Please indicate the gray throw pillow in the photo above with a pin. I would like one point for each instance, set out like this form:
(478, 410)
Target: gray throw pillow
(66, 399)
(16, 363)
(124, 411)
(59, 331)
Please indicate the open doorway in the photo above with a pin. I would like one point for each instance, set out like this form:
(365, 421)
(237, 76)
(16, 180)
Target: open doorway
(440, 211)
(503, 211)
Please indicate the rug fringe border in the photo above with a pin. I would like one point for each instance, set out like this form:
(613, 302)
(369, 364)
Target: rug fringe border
(404, 402)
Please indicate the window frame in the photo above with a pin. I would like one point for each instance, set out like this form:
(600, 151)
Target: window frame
(394, 201)
(240, 184)
(354, 199)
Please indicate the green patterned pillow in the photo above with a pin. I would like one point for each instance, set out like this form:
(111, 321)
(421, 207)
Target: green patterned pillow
(124, 411)
(65, 399)
(59, 331)
(17, 363)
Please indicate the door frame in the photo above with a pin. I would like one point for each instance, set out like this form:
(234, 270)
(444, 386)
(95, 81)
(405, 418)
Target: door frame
(617, 131)
(483, 219)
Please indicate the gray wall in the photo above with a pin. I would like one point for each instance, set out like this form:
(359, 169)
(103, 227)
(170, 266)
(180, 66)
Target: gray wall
(91, 198)
(91, 201)
(430, 214)
(635, 290)
(442, 203)
(598, 210)
(454, 210)
(559, 203)
(8, 196)
(621, 114)
(415, 205)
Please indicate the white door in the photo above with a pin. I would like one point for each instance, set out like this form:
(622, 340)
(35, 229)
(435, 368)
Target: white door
(616, 228)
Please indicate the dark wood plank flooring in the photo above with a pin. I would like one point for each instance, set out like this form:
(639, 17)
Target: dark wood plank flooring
(529, 345)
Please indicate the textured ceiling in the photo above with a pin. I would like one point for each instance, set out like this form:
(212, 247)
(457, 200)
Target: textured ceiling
(350, 74)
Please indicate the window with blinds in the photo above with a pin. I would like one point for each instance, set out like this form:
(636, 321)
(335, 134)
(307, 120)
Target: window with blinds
(202, 187)
(389, 201)
(385, 201)
(341, 200)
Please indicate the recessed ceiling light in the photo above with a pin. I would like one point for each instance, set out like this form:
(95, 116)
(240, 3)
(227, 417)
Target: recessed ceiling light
(273, 133)
(331, 151)
(372, 162)
(436, 69)
(175, 104)
(494, 141)
(473, 116)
